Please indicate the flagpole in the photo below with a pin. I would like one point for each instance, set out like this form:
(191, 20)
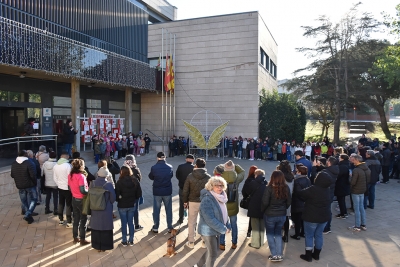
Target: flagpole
(162, 84)
(170, 91)
(175, 86)
(166, 92)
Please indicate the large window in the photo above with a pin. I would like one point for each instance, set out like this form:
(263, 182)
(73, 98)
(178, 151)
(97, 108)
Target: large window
(267, 63)
(19, 97)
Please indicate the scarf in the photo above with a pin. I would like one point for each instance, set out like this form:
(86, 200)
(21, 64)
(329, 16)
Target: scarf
(222, 199)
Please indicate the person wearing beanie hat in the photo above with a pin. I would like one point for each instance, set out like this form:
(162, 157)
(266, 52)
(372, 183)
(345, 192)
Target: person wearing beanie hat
(316, 213)
(161, 174)
(181, 174)
(130, 162)
(232, 174)
(101, 222)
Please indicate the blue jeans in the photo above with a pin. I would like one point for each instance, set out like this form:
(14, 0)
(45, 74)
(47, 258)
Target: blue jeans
(371, 197)
(136, 213)
(239, 154)
(157, 207)
(28, 198)
(359, 211)
(230, 151)
(68, 148)
(313, 232)
(233, 221)
(273, 227)
(126, 215)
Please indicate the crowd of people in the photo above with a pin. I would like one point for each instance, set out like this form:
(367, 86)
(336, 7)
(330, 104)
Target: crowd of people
(301, 195)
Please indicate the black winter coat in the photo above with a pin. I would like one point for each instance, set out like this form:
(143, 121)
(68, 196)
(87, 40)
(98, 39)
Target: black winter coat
(317, 207)
(333, 172)
(375, 166)
(255, 188)
(386, 157)
(68, 135)
(182, 173)
(272, 206)
(127, 191)
(24, 174)
(300, 182)
(342, 187)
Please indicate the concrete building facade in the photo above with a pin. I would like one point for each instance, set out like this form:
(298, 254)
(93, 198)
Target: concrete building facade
(222, 63)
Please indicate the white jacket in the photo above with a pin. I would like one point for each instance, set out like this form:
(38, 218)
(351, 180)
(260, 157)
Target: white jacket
(47, 170)
(60, 173)
(308, 151)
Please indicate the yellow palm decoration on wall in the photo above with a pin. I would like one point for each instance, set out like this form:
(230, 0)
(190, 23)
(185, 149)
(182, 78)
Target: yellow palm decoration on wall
(199, 140)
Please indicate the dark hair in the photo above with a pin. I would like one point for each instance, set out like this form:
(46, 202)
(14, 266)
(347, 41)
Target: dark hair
(284, 166)
(22, 153)
(332, 160)
(64, 152)
(76, 155)
(77, 165)
(344, 156)
(68, 121)
(125, 172)
(52, 155)
(298, 153)
(302, 169)
(278, 185)
(200, 163)
(31, 120)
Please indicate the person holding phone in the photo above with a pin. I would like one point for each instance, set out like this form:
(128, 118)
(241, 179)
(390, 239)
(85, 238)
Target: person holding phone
(69, 133)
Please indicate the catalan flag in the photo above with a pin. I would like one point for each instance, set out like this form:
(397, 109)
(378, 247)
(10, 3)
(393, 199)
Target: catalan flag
(167, 78)
(172, 75)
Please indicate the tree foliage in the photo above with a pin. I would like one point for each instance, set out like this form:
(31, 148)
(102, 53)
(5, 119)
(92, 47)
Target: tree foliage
(282, 117)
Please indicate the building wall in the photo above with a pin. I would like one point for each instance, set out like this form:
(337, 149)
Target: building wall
(162, 7)
(267, 43)
(216, 65)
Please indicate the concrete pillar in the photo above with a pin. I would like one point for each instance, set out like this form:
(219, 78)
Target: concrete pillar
(76, 111)
(128, 110)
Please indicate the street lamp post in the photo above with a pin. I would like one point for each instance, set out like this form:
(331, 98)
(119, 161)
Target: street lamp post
(354, 113)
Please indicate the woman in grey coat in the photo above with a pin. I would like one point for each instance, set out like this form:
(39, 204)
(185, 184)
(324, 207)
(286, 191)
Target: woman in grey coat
(101, 221)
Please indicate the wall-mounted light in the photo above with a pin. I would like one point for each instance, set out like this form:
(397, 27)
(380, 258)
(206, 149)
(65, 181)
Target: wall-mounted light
(90, 85)
(22, 74)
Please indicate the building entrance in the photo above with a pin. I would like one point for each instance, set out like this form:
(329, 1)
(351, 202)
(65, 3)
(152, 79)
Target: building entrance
(12, 122)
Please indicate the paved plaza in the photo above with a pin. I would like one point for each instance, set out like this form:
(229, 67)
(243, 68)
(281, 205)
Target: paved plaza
(45, 243)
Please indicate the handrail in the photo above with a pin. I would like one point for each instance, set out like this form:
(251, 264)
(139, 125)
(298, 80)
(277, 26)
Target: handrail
(29, 138)
(163, 144)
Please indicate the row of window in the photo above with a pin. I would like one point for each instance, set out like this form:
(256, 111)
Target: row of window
(267, 63)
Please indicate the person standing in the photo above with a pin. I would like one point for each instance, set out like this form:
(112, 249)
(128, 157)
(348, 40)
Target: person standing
(79, 188)
(358, 185)
(69, 133)
(127, 191)
(213, 219)
(194, 183)
(101, 222)
(161, 174)
(181, 174)
(147, 141)
(49, 183)
(255, 189)
(130, 161)
(301, 181)
(317, 209)
(386, 153)
(60, 175)
(284, 166)
(375, 166)
(275, 202)
(333, 170)
(24, 174)
(342, 187)
(232, 174)
(32, 158)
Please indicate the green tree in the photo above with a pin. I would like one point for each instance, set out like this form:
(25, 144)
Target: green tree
(281, 117)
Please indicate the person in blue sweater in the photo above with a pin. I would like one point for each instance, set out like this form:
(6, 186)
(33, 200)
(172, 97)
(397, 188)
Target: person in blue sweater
(301, 159)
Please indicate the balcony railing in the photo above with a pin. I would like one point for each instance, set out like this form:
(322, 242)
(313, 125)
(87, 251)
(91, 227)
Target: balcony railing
(27, 47)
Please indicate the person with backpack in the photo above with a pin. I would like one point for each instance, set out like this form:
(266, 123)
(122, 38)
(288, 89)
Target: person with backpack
(101, 222)
(78, 186)
(233, 175)
(127, 191)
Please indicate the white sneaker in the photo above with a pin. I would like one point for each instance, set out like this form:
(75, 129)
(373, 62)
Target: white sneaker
(189, 244)
(203, 244)
(69, 225)
(61, 223)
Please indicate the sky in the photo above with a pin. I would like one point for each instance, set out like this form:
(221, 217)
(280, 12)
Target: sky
(284, 19)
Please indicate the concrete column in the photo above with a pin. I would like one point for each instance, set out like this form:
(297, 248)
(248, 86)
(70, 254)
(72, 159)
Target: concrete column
(128, 110)
(76, 111)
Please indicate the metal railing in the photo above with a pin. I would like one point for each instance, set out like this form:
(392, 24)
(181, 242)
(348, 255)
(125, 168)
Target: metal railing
(29, 139)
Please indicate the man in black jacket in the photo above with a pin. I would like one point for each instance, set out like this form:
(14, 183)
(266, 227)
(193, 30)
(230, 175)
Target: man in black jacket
(333, 170)
(181, 174)
(69, 133)
(24, 173)
(375, 166)
(385, 163)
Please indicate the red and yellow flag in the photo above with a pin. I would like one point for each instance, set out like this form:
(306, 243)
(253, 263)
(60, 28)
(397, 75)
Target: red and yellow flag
(167, 78)
(172, 75)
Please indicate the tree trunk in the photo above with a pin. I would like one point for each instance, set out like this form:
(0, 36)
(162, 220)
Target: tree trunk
(336, 124)
(384, 125)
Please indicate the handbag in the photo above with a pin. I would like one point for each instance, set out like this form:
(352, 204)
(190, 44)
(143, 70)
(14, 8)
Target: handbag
(86, 205)
(141, 200)
(245, 202)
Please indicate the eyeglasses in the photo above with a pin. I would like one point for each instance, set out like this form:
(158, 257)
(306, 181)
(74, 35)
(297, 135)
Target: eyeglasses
(219, 185)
